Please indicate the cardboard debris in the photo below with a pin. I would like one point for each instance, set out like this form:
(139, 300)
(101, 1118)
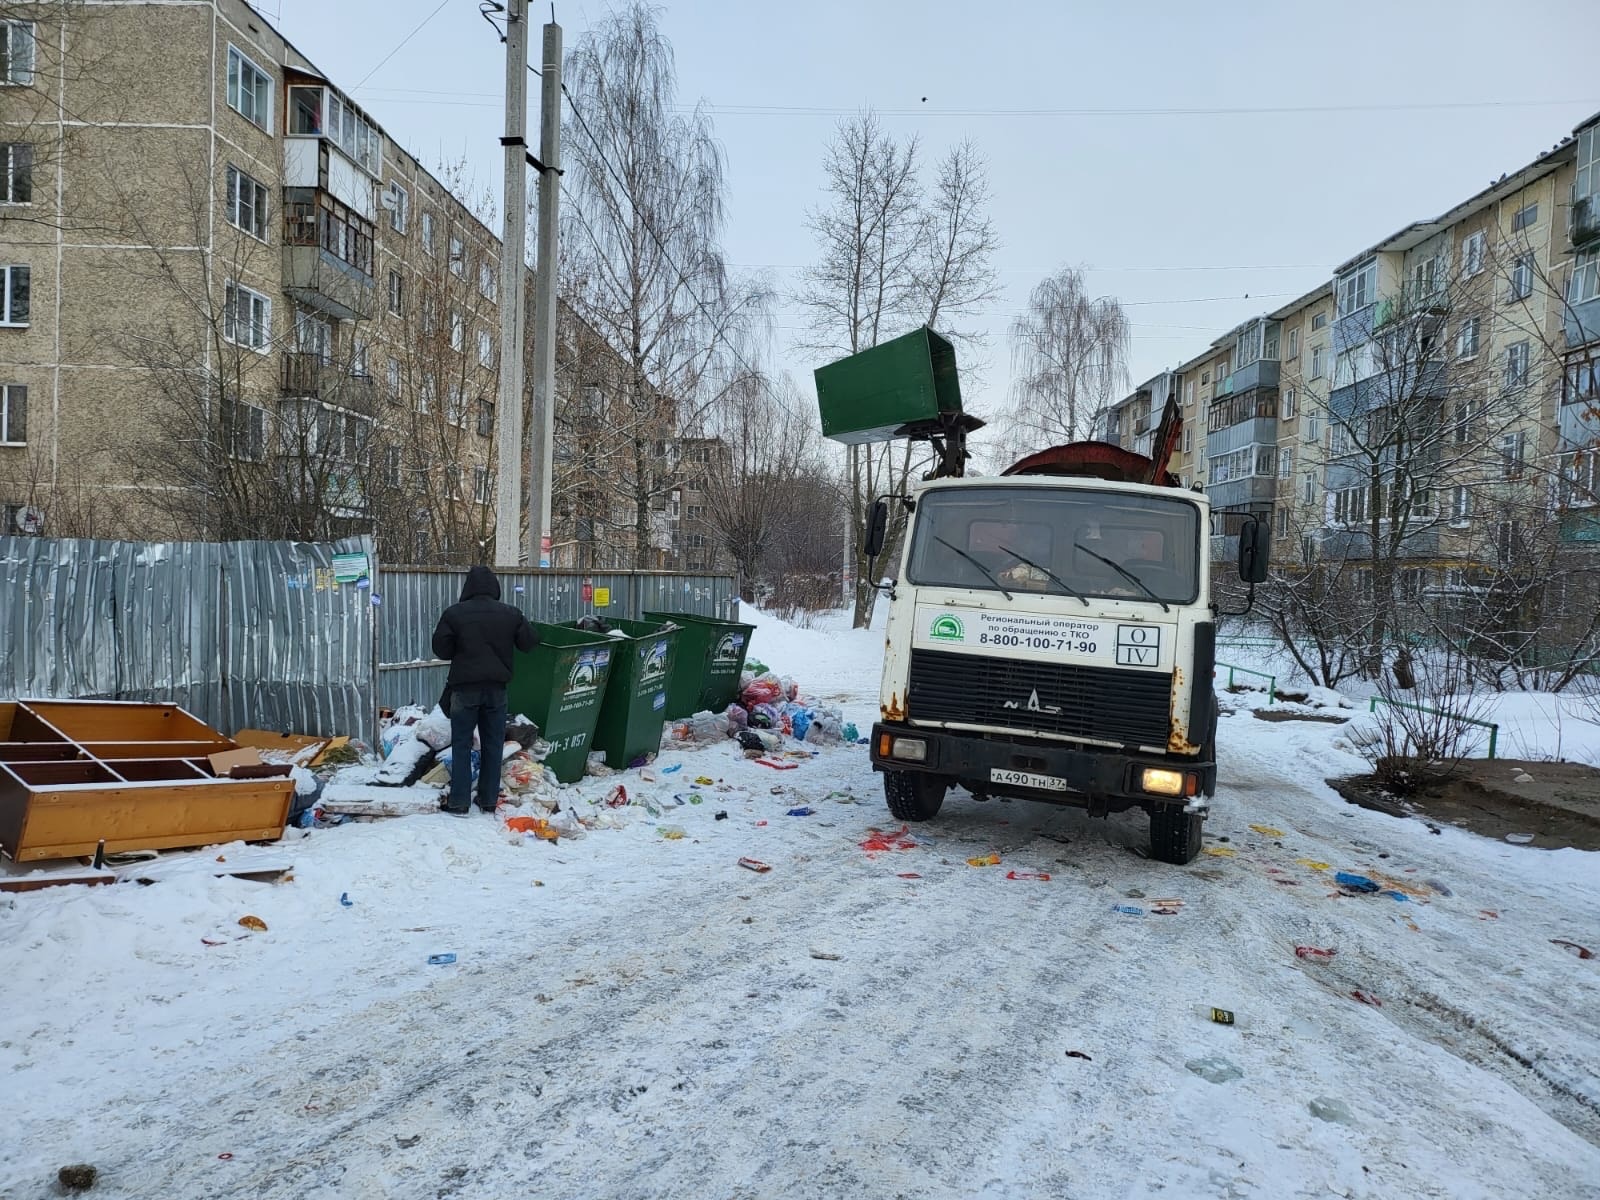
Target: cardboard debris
(294, 745)
(224, 762)
(333, 744)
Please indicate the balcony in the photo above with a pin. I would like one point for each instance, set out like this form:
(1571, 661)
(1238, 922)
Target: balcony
(1584, 223)
(308, 376)
(327, 255)
(1263, 373)
(1249, 491)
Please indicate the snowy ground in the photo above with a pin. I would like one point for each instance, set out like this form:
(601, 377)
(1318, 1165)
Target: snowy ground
(652, 1021)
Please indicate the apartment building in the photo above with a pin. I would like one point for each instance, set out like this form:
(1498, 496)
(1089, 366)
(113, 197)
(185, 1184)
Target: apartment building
(234, 306)
(1444, 384)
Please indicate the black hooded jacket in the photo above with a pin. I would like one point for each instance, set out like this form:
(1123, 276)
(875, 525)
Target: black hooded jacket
(478, 634)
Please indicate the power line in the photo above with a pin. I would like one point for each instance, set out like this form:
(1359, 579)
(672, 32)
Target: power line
(402, 44)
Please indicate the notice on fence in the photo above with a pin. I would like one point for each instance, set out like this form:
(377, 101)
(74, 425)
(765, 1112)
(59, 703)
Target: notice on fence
(347, 568)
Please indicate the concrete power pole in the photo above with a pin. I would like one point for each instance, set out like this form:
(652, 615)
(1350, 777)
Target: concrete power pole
(508, 492)
(542, 470)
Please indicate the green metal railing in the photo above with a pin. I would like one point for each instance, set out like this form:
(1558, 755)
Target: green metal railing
(1272, 680)
(1491, 726)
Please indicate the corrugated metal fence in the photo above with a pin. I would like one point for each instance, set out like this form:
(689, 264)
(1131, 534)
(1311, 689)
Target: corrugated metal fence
(262, 634)
(239, 633)
(413, 599)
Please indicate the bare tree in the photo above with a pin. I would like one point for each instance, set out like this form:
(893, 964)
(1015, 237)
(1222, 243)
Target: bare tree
(955, 272)
(644, 266)
(1069, 353)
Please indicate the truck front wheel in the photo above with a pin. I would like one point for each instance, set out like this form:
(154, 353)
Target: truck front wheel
(1175, 834)
(913, 796)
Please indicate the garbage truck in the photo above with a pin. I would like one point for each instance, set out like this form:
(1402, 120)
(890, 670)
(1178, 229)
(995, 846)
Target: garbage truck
(1050, 635)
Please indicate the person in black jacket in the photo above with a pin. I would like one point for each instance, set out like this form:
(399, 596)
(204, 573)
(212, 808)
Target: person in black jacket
(479, 636)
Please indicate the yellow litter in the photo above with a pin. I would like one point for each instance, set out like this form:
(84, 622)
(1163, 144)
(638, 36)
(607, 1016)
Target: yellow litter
(255, 923)
(985, 860)
(1221, 851)
(1267, 831)
(1312, 863)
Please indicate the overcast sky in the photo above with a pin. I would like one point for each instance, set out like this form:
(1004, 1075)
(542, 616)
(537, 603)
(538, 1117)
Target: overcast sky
(1180, 212)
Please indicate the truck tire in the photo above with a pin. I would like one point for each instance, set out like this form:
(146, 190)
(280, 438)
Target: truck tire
(913, 796)
(1175, 834)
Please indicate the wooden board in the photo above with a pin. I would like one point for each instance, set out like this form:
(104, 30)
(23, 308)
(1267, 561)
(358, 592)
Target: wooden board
(16, 878)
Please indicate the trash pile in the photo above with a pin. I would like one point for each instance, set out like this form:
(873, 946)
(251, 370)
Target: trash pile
(771, 711)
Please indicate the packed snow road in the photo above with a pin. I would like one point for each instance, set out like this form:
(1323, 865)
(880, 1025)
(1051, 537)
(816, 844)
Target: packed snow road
(654, 1021)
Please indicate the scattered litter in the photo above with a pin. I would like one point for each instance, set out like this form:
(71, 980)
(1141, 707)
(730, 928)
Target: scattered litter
(1168, 903)
(802, 811)
(1129, 910)
(722, 815)
(441, 960)
(908, 875)
(703, 781)
(760, 823)
(879, 841)
(1488, 914)
(1221, 1016)
(825, 956)
(1134, 894)
(538, 827)
(1365, 998)
(1042, 876)
(1329, 1108)
(1438, 887)
(1079, 1054)
(984, 860)
(1267, 831)
(1354, 883)
(226, 1156)
(1314, 953)
(673, 769)
(255, 923)
(1580, 951)
(1214, 1070)
(79, 1177)
(344, 900)
(673, 833)
(1522, 777)
(617, 797)
(1519, 839)
(1221, 851)
(754, 864)
(776, 765)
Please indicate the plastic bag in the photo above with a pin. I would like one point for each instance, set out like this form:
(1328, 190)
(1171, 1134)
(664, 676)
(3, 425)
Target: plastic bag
(738, 719)
(434, 729)
(800, 721)
(596, 765)
(567, 825)
(763, 690)
(790, 689)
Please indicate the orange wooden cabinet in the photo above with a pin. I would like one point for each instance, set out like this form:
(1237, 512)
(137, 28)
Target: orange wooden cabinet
(74, 773)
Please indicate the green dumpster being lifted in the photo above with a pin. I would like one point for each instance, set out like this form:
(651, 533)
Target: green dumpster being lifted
(635, 706)
(560, 685)
(709, 661)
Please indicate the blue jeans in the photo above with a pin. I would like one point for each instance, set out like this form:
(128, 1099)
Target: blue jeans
(481, 708)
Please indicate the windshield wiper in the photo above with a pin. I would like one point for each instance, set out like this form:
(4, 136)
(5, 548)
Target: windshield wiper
(1126, 574)
(1053, 576)
(993, 578)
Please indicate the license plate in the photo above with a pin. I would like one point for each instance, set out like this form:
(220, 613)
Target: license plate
(1048, 783)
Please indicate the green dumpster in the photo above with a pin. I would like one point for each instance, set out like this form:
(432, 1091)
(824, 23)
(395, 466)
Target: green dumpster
(708, 663)
(560, 685)
(635, 706)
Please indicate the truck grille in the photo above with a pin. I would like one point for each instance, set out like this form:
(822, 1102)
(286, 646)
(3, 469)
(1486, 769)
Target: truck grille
(1129, 708)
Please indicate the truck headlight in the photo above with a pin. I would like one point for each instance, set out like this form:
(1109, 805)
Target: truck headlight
(1161, 782)
(909, 749)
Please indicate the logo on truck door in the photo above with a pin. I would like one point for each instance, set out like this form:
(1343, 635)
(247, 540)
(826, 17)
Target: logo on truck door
(947, 628)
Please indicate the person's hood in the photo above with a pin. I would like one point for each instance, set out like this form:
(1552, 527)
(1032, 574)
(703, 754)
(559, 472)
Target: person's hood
(481, 581)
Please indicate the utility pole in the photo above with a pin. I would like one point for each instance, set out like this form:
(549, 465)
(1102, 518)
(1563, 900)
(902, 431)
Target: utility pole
(542, 470)
(508, 492)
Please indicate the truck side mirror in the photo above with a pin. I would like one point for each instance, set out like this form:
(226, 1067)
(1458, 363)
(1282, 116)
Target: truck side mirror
(1255, 545)
(877, 529)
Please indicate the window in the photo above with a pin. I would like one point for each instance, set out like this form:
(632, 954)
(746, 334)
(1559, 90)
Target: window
(1286, 463)
(15, 292)
(458, 329)
(1422, 504)
(1350, 506)
(456, 409)
(427, 232)
(399, 204)
(245, 428)
(1290, 396)
(1525, 216)
(1588, 163)
(16, 173)
(1308, 487)
(391, 466)
(480, 485)
(452, 479)
(13, 414)
(354, 134)
(458, 256)
(1318, 362)
(1472, 252)
(359, 354)
(485, 348)
(1338, 439)
(1467, 338)
(305, 111)
(1313, 430)
(1294, 344)
(1585, 278)
(1511, 446)
(1283, 522)
(485, 417)
(16, 53)
(1205, 376)
(1188, 440)
(313, 336)
(696, 512)
(392, 379)
(488, 282)
(249, 89)
(1517, 365)
(1358, 288)
(1463, 424)
(247, 203)
(1581, 380)
(1188, 394)
(427, 394)
(1580, 481)
(1318, 321)
(430, 316)
(313, 217)
(246, 317)
(1460, 505)
(397, 294)
(1521, 279)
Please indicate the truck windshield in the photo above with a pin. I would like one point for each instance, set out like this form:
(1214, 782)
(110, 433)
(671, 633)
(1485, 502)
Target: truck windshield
(1062, 541)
